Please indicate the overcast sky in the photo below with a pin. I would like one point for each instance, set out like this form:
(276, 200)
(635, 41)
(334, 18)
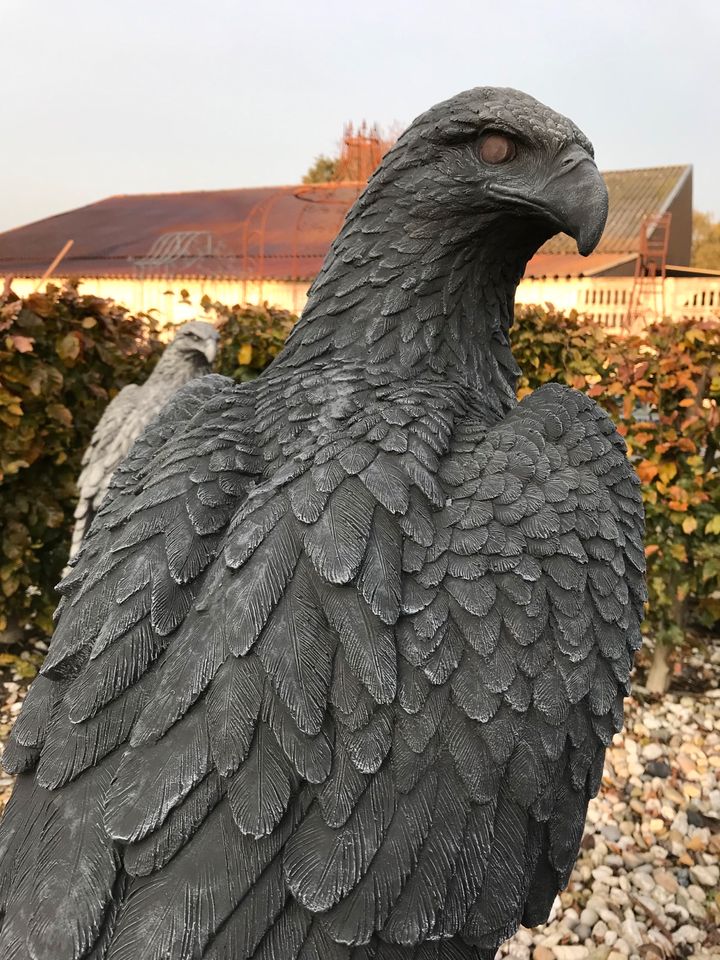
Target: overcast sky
(100, 97)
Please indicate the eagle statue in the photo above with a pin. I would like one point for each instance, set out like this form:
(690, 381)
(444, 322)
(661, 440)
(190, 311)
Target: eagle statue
(190, 354)
(335, 668)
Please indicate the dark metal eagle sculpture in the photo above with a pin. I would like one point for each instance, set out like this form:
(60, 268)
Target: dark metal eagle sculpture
(336, 668)
(190, 355)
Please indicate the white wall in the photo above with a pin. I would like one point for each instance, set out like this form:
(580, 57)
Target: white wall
(604, 299)
(142, 296)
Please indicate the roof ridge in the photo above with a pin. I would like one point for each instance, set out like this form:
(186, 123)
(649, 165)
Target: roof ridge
(183, 193)
(662, 166)
(346, 184)
(328, 184)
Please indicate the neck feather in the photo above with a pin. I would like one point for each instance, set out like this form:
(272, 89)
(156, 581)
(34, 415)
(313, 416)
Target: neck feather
(405, 298)
(179, 366)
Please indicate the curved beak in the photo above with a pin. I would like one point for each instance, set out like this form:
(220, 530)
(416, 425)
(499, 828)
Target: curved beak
(210, 350)
(576, 198)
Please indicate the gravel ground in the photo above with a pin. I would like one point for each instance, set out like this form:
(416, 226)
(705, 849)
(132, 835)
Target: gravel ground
(647, 883)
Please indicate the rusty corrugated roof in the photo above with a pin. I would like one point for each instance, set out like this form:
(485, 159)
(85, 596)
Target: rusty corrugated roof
(280, 233)
(268, 232)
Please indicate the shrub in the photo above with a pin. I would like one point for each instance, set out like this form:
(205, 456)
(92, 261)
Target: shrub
(565, 348)
(62, 358)
(672, 426)
(662, 388)
(250, 337)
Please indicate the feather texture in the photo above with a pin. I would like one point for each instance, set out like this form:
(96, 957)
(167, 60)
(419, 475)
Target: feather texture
(335, 669)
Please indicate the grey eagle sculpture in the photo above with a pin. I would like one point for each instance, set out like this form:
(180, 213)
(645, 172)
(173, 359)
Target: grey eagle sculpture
(335, 671)
(190, 354)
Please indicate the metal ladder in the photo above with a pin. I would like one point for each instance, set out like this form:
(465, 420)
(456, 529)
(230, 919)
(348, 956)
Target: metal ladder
(647, 297)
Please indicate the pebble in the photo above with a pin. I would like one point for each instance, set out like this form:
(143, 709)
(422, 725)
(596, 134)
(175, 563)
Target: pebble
(631, 931)
(707, 876)
(649, 867)
(687, 934)
(696, 910)
(658, 768)
(643, 881)
(667, 881)
(697, 893)
(570, 952)
(619, 897)
(696, 818)
(543, 953)
(583, 932)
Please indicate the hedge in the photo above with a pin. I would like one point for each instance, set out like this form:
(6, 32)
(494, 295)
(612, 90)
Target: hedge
(662, 389)
(250, 337)
(63, 356)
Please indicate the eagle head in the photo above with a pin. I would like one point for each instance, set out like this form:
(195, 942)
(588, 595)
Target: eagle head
(496, 157)
(197, 336)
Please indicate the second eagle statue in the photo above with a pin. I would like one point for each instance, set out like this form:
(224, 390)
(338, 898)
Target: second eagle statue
(335, 672)
(190, 355)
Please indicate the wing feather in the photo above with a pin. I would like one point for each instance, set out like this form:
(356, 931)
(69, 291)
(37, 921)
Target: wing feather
(355, 705)
(76, 868)
(153, 778)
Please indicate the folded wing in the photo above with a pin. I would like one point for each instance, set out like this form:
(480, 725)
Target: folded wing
(356, 709)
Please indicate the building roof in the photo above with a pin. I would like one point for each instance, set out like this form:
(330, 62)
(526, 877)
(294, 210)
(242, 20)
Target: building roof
(275, 233)
(268, 232)
(560, 265)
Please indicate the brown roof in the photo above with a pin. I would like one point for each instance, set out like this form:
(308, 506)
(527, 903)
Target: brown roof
(280, 233)
(561, 265)
(268, 232)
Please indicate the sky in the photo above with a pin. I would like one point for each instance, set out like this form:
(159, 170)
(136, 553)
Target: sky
(103, 97)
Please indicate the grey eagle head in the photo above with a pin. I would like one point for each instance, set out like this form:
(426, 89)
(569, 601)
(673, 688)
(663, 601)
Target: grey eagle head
(497, 157)
(196, 337)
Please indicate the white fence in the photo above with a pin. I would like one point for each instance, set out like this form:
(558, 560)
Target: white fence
(606, 299)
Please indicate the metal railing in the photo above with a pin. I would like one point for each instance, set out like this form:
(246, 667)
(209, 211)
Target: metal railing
(606, 300)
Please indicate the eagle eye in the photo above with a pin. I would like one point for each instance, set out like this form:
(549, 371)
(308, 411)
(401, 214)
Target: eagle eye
(496, 148)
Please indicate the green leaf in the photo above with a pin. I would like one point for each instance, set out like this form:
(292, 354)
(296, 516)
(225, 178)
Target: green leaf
(713, 525)
(68, 347)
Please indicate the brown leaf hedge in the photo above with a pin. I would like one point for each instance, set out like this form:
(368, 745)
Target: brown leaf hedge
(64, 355)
